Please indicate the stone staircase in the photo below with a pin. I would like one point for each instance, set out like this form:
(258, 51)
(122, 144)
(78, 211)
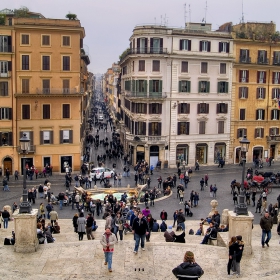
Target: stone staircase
(69, 258)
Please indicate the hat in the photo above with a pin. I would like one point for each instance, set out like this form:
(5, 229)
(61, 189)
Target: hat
(170, 227)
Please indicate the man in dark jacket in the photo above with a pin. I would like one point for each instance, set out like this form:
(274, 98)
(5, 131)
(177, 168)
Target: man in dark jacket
(140, 229)
(211, 233)
(266, 224)
(188, 268)
(181, 219)
(216, 218)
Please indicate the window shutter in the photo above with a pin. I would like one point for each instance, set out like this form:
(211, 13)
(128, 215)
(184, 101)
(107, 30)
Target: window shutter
(145, 128)
(264, 77)
(218, 108)
(271, 114)
(188, 86)
(227, 47)
(198, 108)
(161, 44)
(145, 108)
(10, 114)
(145, 86)
(240, 75)
(262, 132)
(160, 86)
(151, 45)
(264, 93)
(207, 86)
(136, 128)
(0, 136)
(273, 77)
(200, 46)
(188, 108)
(277, 131)
(132, 127)
(150, 108)
(259, 54)
(180, 86)
(189, 45)
(207, 108)
(179, 108)
(246, 92)
(209, 46)
(178, 128)
(240, 92)
(137, 85)
(263, 114)
(150, 86)
(71, 136)
(265, 54)
(219, 86)
(51, 137)
(220, 46)
(81, 43)
(61, 136)
(150, 128)
(9, 41)
(133, 86)
(133, 107)
(226, 87)
(247, 76)
(199, 86)
(31, 138)
(238, 133)
(41, 137)
(270, 131)
(159, 129)
(10, 138)
(9, 65)
(245, 131)
(256, 132)
(258, 76)
(257, 93)
(146, 45)
(226, 108)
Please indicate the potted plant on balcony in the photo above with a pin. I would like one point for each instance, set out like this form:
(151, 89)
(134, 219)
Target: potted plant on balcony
(71, 16)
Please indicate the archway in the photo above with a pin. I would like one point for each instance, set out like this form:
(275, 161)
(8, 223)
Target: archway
(154, 155)
(8, 164)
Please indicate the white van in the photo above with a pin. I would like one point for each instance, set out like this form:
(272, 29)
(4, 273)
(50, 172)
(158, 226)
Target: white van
(108, 173)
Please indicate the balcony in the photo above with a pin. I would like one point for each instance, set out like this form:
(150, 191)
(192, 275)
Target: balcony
(32, 149)
(144, 51)
(263, 60)
(273, 138)
(152, 140)
(5, 75)
(6, 49)
(49, 91)
(136, 94)
(244, 59)
(276, 60)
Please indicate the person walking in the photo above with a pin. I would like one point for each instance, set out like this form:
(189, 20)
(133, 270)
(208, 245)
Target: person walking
(53, 216)
(231, 254)
(5, 217)
(81, 226)
(119, 180)
(266, 224)
(140, 229)
(108, 241)
(119, 221)
(215, 191)
(239, 253)
(188, 268)
(206, 178)
(89, 224)
(181, 195)
(196, 165)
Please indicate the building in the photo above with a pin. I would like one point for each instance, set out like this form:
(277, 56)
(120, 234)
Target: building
(44, 90)
(176, 94)
(256, 88)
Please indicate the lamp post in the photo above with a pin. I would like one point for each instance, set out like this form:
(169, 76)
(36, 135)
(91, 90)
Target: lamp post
(25, 206)
(241, 207)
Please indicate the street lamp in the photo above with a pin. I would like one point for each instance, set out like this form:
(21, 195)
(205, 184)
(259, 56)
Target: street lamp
(25, 206)
(241, 207)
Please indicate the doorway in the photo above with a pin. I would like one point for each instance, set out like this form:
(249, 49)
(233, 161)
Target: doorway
(154, 154)
(46, 161)
(28, 163)
(272, 151)
(140, 153)
(8, 164)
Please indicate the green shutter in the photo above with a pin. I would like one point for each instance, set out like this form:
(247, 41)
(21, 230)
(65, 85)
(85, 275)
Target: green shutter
(145, 86)
(226, 87)
(150, 86)
(219, 87)
(180, 86)
(160, 86)
(208, 87)
(137, 86)
(133, 85)
(199, 86)
(188, 86)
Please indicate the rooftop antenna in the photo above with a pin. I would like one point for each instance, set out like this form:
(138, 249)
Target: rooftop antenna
(185, 12)
(242, 18)
(190, 12)
(205, 12)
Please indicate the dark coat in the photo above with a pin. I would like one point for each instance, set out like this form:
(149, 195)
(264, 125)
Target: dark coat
(188, 269)
(140, 226)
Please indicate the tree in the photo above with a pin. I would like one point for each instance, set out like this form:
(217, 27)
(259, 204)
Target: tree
(22, 12)
(71, 16)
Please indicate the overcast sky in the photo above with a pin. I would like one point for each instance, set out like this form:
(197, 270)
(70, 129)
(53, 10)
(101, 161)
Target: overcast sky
(109, 23)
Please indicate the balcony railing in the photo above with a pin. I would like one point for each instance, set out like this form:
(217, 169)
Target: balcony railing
(32, 149)
(263, 60)
(136, 94)
(144, 51)
(58, 91)
(146, 139)
(244, 59)
(6, 49)
(5, 75)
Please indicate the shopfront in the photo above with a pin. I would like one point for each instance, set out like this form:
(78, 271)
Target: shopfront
(154, 155)
(182, 153)
(201, 153)
(258, 152)
(219, 152)
(140, 153)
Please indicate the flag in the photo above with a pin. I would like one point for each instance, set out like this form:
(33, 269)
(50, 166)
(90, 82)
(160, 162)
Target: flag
(279, 103)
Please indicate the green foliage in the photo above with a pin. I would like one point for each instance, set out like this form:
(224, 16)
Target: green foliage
(2, 19)
(71, 16)
(276, 36)
(124, 53)
(22, 12)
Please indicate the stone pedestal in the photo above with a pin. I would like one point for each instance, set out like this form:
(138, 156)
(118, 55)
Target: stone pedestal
(241, 225)
(214, 203)
(225, 217)
(26, 232)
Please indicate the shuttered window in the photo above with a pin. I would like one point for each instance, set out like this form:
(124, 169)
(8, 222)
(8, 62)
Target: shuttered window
(202, 127)
(25, 85)
(6, 139)
(185, 45)
(156, 65)
(25, 62)
(242, 114)
(223, 87)
(184, 86)
(223, 68)
(183, 128)
(155, 129)
(141, 65)
(241, 132)
(221, 127)
(260, 93)
(4, 89)
(66, 41)
(244, 76)
(275, 114)
(203, 108)
(25, 39)
(45, 40)
(259, 132)
(204, 86)
(155, 108)
(46, 86)
(65, 111)
(204, 67)
(25, 112)
(66, 63)
(185, 67)
(222, 108)
(243, 92)
(45, 62)
(46, 111)
(66, 86)
(260, 114)
(183, 108)
(66, 136)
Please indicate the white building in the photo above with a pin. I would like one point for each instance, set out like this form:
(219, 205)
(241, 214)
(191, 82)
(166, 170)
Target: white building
(176, 94)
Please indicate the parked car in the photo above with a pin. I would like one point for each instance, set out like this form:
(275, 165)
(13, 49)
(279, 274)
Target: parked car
(108, 173)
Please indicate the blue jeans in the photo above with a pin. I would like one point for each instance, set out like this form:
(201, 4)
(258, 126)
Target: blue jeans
(137, 238)
(6, 188)
(60, 204)
(108, 258)
(264, 233)
(6, 220)
(182, 225)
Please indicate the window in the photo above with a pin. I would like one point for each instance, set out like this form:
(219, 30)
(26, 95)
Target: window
(186, 45)
(46, 111)
(244, 56)
(204, 86)
(156, 65)
(140, 108)
(222, 87)
(155, 108)
(45, 40)
(5, 43)
(45, 62)
(133, 66)
(4, 89)
(202, 127)
(66, 136)
(66, 86)
(274, 131)
(261, 77)
(46, 137)
(260, 93)
(224, 47)
(24, 39)
(6, 113)
(25, 85)
(66, 63)
(262, 57)
(142, 45)
(243, 92)
(185, 67)
(124, 70)
(276, 77)
(204, 67)
(155, 86)
(203, 108)
(141, 86)
(6, 139)
(183, 108)
(155, 129)
(141, 65)
(223, 68)
(204, 46)
(66, 111)
(276, 58)
(25, 62)
(46, 86)
(275, 114)
(66, 41)
(127, 85)
(184, 86)
(5, 67)
(140, 128)
(260, 113)
(259, 132)
(156, 45)
(183, 128)
(221, 127)
(243, 76)
(275, 93)
(222, 108)
(25, 113)
(242, 114)
(241, 132)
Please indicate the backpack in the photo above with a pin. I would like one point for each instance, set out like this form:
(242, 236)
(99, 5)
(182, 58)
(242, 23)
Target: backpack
(191, 232)
(187, 206)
